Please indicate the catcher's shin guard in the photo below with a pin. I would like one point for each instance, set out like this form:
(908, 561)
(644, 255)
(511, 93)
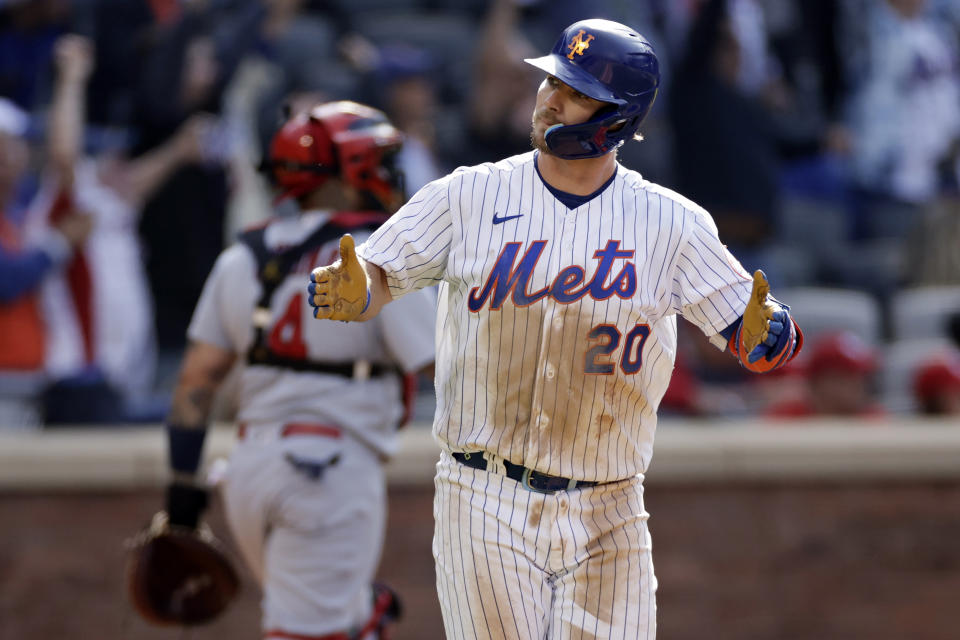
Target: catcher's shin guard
(386, 609)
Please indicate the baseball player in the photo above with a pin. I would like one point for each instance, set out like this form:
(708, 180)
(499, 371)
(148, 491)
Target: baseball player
(319, 404)
(561, 274)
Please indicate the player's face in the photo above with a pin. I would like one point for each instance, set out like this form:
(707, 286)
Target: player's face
(559, 103)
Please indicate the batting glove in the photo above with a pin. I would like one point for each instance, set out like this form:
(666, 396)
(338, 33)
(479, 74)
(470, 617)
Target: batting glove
(767, 337)
(339, 291)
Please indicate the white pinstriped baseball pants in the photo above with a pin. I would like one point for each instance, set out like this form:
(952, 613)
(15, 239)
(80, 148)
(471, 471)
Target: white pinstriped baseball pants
(517, 565)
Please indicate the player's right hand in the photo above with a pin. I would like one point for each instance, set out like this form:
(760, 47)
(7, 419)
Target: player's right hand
(339, 291)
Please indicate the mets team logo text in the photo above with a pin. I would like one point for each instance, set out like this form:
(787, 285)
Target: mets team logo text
(578, 44)
(569, 286)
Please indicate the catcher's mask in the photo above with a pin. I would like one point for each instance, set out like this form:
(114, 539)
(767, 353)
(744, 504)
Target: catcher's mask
(346, 139)
(609, 62)
(178, 576)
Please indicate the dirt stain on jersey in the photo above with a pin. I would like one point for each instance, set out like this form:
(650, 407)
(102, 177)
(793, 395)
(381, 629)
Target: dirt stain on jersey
(535, 510)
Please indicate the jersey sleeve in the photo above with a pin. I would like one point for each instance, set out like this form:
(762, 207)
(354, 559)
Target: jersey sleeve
(209, 323)
(412, 247)
(711, 286)
(408, 329)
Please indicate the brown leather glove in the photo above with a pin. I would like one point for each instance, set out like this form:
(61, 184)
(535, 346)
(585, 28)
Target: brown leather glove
(177, 575)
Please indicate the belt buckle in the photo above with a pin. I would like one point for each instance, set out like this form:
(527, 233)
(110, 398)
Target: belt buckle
(525, 482)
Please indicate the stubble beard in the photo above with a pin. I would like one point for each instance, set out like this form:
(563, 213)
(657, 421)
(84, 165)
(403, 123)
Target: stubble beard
(538, 142)
(538, 139)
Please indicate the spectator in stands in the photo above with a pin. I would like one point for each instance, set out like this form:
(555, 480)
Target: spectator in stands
(936, 385)
(101, 351)
(730, 144)
(409, 94)
(903, 114)
(23, 268)
(501, 101)
(184, 71)
(904, 110)
(839, 380)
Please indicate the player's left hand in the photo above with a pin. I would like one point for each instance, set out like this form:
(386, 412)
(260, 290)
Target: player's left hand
(767, 337)
(757, 315)
(340, 291)
(776, 339)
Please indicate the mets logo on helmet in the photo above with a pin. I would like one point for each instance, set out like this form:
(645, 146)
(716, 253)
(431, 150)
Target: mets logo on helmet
(578, 44)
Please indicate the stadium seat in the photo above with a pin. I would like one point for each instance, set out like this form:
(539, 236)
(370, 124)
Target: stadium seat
(923, 312)
(823, 310)
(816, 226)
(900, 362)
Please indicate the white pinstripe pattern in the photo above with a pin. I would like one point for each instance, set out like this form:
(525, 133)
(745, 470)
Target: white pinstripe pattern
(518, 565)
(518, 377)
(512, 379)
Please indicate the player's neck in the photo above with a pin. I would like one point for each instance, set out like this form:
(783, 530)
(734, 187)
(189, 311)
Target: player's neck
(579, 177)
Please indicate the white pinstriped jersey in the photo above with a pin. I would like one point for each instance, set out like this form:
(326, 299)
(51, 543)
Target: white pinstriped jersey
(556, 331)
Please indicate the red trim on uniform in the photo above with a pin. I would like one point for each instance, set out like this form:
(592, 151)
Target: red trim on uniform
(278, 633)
(306, 429)
(297, 429)
(380, 606)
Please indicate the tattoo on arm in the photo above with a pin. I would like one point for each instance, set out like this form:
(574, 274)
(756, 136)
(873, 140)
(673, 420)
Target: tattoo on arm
(195, 393)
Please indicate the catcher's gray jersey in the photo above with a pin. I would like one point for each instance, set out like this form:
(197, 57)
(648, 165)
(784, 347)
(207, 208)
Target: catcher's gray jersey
(556, 334)
(371, 409)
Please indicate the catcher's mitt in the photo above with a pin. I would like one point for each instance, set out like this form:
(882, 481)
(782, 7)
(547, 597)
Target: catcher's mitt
(177, 575)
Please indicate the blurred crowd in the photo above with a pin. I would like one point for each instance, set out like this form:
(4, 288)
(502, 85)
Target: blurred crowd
(822, 135)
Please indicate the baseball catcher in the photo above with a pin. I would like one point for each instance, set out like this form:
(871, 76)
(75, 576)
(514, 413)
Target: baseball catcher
(319, 405)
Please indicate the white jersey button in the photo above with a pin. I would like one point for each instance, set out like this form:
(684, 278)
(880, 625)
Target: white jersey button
(551, 372)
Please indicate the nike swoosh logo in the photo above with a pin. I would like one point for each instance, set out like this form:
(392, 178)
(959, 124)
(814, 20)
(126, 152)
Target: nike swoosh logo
(498, 219)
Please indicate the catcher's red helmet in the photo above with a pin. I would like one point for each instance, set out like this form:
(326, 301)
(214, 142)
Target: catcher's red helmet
(346, 139)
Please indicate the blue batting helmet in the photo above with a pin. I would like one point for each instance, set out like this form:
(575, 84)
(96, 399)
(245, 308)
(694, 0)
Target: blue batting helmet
(609, 62)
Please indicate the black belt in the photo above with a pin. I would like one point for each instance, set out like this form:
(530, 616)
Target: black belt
(358, 370)
(530, 479)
